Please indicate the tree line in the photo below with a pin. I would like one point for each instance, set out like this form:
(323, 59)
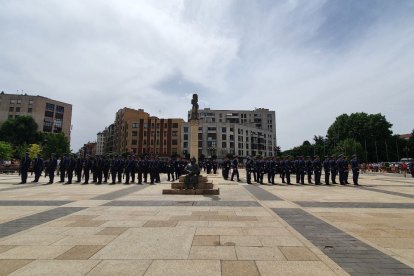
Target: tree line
(20, 135)
(367, 135)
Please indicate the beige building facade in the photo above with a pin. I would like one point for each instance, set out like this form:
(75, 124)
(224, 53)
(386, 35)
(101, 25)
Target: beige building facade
(50, 115)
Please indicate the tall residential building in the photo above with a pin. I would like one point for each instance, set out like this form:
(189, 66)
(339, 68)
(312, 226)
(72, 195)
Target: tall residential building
(238, 132)
(100, 143)
(138, 132)
(50, 115)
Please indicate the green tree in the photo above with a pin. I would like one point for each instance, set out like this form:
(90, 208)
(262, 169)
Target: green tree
(349, 147)
(55, 143)
(6, 150)
(19, 131)
(34, 150)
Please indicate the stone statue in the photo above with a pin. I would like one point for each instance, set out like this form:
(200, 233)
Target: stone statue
(194, 110)
(191, 179)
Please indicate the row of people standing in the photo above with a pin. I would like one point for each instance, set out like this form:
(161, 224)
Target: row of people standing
(301, 168)
(103, 169)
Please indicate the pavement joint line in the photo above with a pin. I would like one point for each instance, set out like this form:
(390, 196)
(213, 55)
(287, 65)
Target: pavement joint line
(260, 193)
(120, 193)
(306, 224)
(34, 202)
(326, 204)
(385, 192)
(18, 225)
(161, 203)
(21, 186)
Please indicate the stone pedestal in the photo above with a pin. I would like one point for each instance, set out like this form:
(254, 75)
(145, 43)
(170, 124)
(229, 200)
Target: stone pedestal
(203, 188)
(194, 139)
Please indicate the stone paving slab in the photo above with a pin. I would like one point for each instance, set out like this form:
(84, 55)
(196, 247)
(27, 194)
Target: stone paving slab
(355, 205)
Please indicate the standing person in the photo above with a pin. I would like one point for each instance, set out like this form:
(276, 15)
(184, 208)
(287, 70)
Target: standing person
(412, 168)
(235, 167)
(326, 169)
(139, 169)
(317, 169)
(404, 169)
(341, 169)
(226, 168)
(78, 169)
(209, 166)
(214, 163)
(62, 168)
(249, 169)
(334, 169)
(51, 168)
(128, 169)
(105, 168)
(282, 167)
(87, 166)
(24, 167)
(170, 170)
(120, 169)
(288, 168)
(71, 164)
(309, 169)
(297, 168)
(302, 170)
(38, 167)
(346, 169)
(355, 169)
(114, 169)
(145, 169)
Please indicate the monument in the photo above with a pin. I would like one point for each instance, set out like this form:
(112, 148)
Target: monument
(194, 128)
(193, 183)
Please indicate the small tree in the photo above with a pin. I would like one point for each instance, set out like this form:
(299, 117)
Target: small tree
(6, 151)
(34, 150)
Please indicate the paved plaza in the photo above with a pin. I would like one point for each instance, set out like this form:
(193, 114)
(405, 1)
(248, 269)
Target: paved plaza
(246, 230)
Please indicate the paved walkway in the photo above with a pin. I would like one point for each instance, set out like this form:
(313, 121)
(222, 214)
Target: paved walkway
(246, 230)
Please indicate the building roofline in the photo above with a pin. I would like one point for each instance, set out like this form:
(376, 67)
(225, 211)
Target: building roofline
(35, 96)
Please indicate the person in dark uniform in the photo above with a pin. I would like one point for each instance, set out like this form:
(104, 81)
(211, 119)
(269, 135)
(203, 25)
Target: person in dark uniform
(235, 167)
(128, 168)
(249, 169)
(317, 169)
(120, 169)
(341, 169)
(170, 170)
(282, 169)
(78, 169)
(260, 170)
(326, 169)
(62, 168)
(309, 169)
(51, 168)
(355, 169)
(411, 166)
(87, 166)
(38, 167)
(114, 169)
(288, 168)
(270, 171)
(105, 168)
(346, 169)
(226, 168)
(302, 170)
(214, 164)
(24, 167)
(297, 169)
(139, 169)
(146, 169)
(334, 169)
(209, 166)
(70, 168)
(99, 169)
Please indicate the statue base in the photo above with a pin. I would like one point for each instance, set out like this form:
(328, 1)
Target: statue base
(203, 188)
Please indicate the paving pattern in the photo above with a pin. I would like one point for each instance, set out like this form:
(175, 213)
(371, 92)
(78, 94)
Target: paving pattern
(246, 230)
(356, 257)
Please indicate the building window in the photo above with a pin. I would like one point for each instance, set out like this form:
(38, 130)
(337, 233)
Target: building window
(223, 137)
(223, 129)
(135, 125)
(50, 107)
(47, 126)
(165, 142)
(185, 144)
(185, 136)
(174, 133)
(49, 114)
(134, 142)
(175, 125)
(29, 110)
(145, 125)
(11, 109)
(58, 115)
(174, 142)
(19, 101)
(200, 144)
(12, 101)
(30, 102)
(224, 145)
(60, 109)
(185, 129)
(134, 133)
(10, 116)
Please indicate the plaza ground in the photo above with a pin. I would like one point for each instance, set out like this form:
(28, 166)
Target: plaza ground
(246, 230)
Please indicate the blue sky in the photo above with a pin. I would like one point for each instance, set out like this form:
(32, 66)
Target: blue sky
(308, 60)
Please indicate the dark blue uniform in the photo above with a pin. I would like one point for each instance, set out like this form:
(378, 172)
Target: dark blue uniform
(355, 170)
(38, 167)
(317, 169)
(327, 170)
(235, 167)
(50, 169)
(24, 168)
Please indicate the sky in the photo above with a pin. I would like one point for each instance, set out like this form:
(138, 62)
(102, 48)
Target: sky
(309, 60)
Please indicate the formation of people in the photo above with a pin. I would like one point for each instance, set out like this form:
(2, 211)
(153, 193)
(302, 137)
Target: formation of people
(102, 169)
(301, 168)
(135, 169)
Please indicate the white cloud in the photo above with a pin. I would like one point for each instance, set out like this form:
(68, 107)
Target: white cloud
(104, 55)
